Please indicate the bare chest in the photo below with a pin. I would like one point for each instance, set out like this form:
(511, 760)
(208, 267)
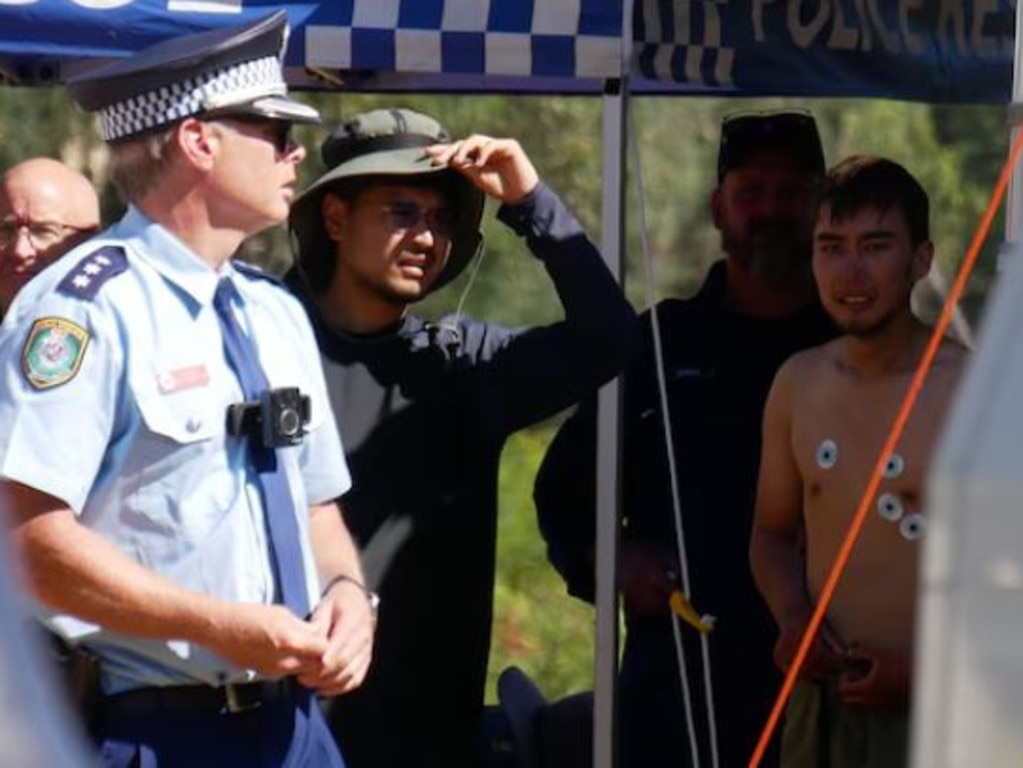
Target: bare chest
(837, 438)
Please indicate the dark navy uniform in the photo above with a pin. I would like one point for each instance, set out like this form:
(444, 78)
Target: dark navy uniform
(719, 365)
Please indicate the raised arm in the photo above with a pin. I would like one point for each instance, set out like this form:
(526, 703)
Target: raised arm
(535, 373)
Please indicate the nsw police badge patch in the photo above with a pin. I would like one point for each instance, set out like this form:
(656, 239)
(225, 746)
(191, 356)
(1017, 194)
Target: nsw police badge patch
(53, 352)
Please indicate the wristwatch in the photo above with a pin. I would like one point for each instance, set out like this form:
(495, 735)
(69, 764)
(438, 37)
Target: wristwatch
(372, 597)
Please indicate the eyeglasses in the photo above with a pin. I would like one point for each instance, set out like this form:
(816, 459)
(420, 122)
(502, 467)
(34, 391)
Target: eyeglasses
(404, 214)
(41, 234)
(278, 132)
(749, 132)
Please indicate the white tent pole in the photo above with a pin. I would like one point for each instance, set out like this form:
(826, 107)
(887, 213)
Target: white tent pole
(609, 406)
(1013, 202)
(608, 480)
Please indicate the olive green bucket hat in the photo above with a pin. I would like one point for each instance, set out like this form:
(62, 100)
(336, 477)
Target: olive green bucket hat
(387, 143)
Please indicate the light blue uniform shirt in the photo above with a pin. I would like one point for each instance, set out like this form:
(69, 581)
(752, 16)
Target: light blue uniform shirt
(135, 442)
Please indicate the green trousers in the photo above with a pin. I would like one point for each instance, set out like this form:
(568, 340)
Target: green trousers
(822, 732)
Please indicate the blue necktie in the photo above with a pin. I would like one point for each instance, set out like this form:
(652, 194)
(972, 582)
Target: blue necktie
(278, 507)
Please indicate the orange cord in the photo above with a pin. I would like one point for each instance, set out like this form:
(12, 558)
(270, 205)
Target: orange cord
(898, 426)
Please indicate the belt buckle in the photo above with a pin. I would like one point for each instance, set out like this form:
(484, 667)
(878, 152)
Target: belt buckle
(234, 702)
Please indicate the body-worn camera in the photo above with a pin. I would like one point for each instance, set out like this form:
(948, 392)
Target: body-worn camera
(277, 419)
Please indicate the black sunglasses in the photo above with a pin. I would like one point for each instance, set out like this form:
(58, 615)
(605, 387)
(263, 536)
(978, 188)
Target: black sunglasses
(277, 131)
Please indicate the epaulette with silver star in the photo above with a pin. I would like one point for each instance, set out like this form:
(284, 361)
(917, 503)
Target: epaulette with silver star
(90, 274)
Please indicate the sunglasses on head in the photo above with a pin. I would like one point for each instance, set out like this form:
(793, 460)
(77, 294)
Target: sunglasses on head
(768, 123)
(745, 132)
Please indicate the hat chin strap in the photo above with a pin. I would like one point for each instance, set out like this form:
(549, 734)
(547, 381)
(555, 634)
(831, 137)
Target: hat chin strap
(476, 262)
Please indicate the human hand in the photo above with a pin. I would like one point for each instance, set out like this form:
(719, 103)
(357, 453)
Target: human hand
(823, 658)
(874, 677)
(346, 619)
(646, 579)
(269, 639)
(498, 167)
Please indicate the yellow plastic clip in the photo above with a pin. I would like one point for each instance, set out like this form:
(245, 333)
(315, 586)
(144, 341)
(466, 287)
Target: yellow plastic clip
(680, 605)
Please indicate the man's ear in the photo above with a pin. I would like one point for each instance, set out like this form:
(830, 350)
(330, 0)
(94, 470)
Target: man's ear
(196, 141)
(922, 258)
(335, 215)
(717, 205)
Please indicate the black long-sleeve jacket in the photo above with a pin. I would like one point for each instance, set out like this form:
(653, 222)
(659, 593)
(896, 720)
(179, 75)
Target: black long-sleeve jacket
(719, 365)
(424, 411)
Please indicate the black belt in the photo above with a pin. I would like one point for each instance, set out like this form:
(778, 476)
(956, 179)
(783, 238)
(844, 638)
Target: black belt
(225, 699)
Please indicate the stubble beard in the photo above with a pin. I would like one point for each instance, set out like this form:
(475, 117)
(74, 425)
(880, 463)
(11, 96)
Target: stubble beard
(401, 291)
(399, 297)
(781, 259)
(868, 331)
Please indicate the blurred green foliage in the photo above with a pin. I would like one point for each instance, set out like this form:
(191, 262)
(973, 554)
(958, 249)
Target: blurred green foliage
(956, 151)
(537, 626)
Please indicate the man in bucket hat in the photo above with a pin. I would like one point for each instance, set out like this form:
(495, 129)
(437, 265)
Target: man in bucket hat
(170, 463)
(425, 407)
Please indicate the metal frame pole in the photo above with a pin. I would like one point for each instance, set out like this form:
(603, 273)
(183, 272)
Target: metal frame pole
(608, 481)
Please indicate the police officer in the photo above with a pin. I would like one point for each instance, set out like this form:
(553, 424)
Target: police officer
(200, 558)
(425, 407)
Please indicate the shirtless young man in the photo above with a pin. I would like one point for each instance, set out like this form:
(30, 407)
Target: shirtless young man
(826, 419)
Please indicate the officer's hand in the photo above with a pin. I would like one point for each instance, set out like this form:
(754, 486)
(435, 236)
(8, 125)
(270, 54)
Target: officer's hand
(824, 657)
(345, 618)
(874, 678)
(498, 167)
(646, 578)
(269, 639)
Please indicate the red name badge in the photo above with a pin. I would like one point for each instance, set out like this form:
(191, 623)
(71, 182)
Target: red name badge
(180, 379)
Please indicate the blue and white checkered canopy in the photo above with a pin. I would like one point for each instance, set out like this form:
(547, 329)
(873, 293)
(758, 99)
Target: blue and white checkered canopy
(574, 39)
(952, 50)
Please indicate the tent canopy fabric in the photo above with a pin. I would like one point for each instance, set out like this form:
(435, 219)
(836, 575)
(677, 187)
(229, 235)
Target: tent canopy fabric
(924, 50)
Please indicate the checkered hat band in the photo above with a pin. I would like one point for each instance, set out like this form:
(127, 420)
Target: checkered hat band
(236, 84)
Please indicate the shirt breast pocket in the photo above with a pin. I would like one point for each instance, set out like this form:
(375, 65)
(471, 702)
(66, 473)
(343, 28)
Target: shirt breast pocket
(182, 417)
(177, 473)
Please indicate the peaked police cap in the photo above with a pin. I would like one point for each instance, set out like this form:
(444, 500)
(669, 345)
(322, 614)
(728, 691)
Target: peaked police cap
(228, 70)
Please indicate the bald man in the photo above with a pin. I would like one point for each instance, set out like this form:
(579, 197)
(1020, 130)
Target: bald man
(46, 208)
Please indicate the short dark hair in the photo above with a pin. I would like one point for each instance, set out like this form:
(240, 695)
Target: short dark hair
(867, 181)
(745, 135)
